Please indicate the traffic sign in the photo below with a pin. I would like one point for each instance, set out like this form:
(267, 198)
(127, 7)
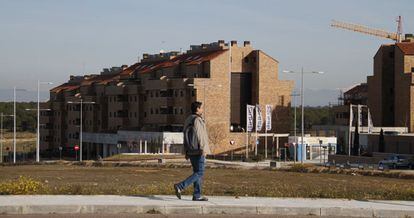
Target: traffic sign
(232, 142)
(76, 147)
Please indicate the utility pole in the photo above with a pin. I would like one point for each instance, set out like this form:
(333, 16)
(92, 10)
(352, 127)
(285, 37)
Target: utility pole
(303, 110)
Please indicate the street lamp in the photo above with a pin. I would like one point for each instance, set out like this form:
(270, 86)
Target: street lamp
(81, 102)
(204, 96)
(302, 102)
(38, 118)
(38, 131)
(294, 95)
(14, 122)
(1, 134)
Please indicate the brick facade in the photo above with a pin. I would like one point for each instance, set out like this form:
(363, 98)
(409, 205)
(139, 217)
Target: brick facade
(390, 89)
(156, 93)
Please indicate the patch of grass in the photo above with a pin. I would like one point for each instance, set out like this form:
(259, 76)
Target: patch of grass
(74, 179)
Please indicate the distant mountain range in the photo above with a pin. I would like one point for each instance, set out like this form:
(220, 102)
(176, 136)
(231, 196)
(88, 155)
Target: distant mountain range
(22, 96)
(313, 97)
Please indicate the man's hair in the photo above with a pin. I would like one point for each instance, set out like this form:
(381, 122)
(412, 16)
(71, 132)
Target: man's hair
(194, 106)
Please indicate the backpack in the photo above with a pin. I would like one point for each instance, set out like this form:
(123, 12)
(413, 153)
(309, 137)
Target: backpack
(191, 145)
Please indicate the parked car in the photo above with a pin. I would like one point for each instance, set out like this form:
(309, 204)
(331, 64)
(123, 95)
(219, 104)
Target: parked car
(396, 161)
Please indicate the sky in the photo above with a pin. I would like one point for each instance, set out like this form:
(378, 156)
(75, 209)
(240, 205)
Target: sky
(49, 40)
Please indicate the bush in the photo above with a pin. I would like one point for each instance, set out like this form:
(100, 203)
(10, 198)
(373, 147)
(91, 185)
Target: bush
(300, 168)
(22, 186)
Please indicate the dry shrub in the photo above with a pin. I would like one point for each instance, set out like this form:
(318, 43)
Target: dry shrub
(22, 186)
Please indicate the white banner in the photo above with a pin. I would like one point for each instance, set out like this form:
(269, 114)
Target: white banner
(250, 112)
(359, 118)
(370, 125)
(268, 117)
(351, 116)
(259, 118)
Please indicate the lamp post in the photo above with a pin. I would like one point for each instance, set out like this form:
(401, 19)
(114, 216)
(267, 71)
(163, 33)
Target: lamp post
(81, 102)
(302, 102)
(294, 95)
(1, 134)
(38, 119)
(38, 129)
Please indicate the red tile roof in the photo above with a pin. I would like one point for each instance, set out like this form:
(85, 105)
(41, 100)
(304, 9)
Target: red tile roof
(65, 87)
(188, 59)
(406, 47)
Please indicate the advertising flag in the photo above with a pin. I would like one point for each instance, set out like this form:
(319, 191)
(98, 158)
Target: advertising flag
(259, 118)
(250, 112)
(268, 117)
(370, 126)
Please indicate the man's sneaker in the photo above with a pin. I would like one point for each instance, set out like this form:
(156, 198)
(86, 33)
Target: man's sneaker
(200, 199)
(177, 191)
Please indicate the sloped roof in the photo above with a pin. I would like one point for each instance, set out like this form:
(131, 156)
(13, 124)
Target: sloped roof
(188, 59)
(406, 47)
(141, 67)
(357, 89)
(65, 87)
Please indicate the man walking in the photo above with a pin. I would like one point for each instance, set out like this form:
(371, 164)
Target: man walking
(196, 148)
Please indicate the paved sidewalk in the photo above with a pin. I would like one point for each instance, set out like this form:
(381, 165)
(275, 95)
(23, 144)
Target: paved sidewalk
(111, 204)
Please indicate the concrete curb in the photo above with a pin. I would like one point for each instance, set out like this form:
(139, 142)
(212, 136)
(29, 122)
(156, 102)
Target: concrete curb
(19, 205)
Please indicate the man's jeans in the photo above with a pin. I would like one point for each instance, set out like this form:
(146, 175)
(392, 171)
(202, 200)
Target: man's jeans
(198, 171)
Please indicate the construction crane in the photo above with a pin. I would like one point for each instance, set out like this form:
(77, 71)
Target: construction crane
(397, 36)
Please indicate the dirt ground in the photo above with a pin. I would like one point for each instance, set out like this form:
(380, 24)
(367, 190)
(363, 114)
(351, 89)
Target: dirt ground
(63, 179)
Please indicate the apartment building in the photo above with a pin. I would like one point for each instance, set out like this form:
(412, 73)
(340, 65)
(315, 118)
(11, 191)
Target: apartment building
(122, 104)
(391, 89)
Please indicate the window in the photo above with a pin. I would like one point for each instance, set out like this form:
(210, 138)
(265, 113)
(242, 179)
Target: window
(152, 111)
(181, 111)
(181, 93)
(282, 100)
(246, 60)
(156, 111)
(110, 114)
(391, 54)
(175, 110)
(412, 69)
(135, 98)
(176, 93)
(135, 114)
(151, 94)
(192, 93)
(156, 94)
(145, 114)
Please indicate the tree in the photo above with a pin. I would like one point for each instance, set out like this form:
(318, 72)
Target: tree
(26, 120)
(216, 134)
